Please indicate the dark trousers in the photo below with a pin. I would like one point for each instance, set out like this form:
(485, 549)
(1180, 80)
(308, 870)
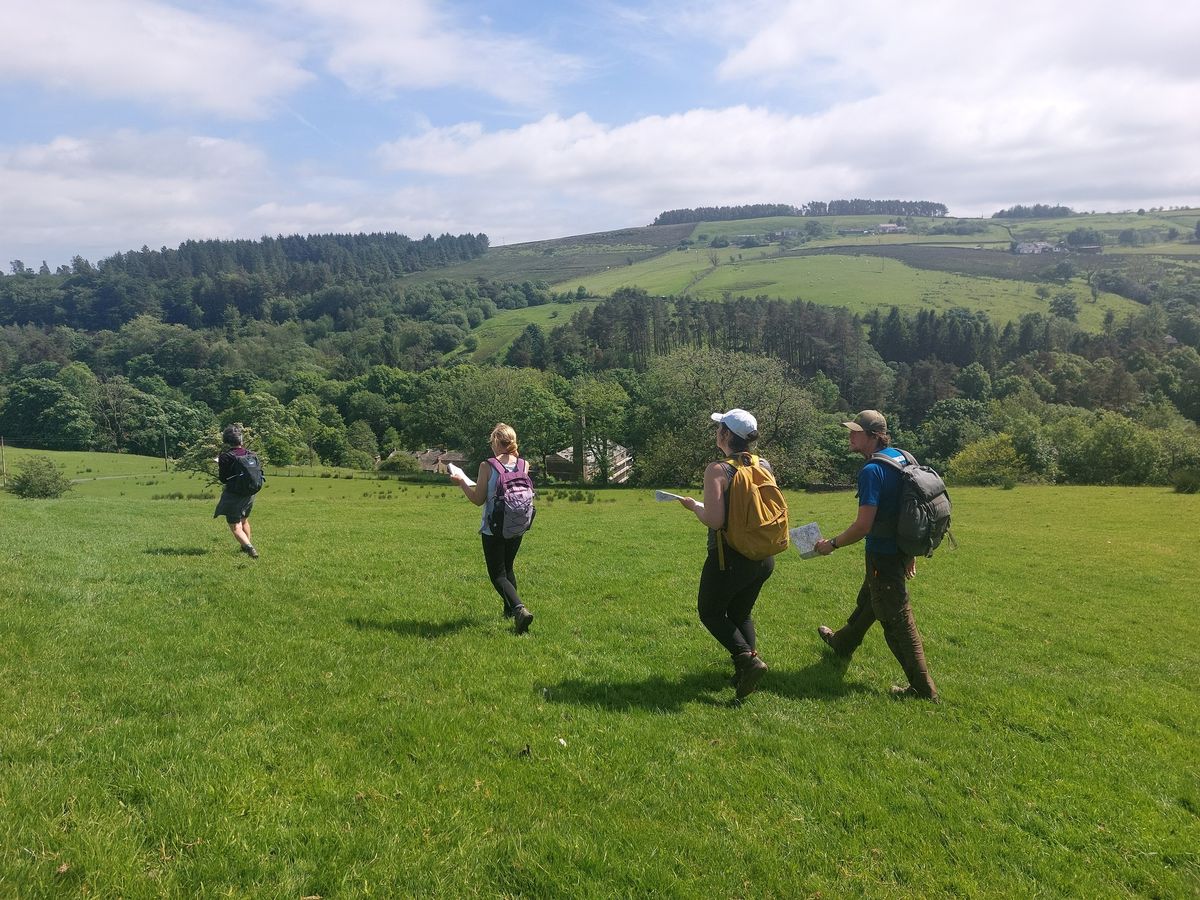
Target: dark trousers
(884, 597)
(726, 598)
(499, 553)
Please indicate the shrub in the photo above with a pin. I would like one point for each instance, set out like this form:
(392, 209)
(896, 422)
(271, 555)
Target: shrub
(401, 463)
(992, 460)
(39, 478)
(1186, 481)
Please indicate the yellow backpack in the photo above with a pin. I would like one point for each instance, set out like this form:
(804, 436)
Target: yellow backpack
(756, 522)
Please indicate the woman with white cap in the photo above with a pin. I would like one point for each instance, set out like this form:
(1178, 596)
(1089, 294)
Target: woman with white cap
(730, 582)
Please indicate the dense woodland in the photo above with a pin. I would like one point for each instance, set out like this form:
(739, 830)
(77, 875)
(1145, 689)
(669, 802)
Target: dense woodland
(812, 208)
(329, 356)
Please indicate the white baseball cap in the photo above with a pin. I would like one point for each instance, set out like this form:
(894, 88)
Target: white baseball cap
(738, 421)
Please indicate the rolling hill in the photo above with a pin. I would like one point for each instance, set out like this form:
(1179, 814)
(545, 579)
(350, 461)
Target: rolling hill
(845, 261)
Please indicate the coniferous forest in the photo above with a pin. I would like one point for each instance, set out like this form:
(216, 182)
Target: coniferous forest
(342, 348)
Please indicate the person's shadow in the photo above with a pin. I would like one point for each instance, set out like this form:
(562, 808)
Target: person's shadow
(177, 551)
(824, 679)
(655, 693)
(413, 627)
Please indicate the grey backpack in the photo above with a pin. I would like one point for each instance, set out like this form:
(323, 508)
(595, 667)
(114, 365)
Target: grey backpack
(924, 517)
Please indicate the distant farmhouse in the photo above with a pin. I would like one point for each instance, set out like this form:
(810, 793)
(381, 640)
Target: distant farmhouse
(1026, 247)
(561, 465)
(437, 460)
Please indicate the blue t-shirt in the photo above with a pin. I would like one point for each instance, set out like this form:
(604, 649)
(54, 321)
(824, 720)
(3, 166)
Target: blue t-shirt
(879, 486)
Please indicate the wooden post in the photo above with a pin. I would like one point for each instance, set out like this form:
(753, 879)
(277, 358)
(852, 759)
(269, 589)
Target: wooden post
(3, 467)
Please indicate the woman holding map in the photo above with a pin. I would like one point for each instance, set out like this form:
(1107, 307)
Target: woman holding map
(505, 492)
(730, 581)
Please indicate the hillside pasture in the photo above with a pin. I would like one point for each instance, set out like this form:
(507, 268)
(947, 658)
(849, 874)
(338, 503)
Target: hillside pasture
(350, 714)
(497, 333)
(860, 282)
(564, 259)
(1108, 224)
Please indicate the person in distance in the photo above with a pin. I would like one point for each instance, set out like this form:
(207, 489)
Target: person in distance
(499, 552)
(235, 503)
(884, 591)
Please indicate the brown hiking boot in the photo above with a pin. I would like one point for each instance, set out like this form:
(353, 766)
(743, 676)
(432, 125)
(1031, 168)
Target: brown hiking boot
(751, 669)
(910, 693)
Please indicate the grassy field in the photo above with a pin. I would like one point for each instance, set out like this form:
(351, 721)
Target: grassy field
(349, 715)
(495, 334)
(858, 282)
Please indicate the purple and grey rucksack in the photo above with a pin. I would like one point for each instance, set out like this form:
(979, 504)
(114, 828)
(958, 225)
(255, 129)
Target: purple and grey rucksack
(512, 507)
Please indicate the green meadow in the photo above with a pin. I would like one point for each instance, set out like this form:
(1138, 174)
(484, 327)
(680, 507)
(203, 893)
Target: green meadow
(495, 334)
(860, 283)
(350, 715)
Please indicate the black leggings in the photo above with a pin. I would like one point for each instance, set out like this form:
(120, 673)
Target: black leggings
(726, 598)
(499, 553)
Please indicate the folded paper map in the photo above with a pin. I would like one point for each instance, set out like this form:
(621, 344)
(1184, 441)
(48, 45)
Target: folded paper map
(667, 497)
(455, 470)
(804, 539)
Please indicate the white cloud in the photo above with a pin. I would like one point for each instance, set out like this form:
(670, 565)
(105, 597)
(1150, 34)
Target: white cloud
(383, 47)
(96, 196)
(972, 156)
(147, 52)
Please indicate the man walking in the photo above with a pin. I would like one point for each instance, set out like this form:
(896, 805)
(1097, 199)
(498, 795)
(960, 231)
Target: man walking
(884, 591)
(239, 471)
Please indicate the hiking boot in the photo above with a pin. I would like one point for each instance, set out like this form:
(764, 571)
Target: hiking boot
(524, 618)
(827, 635)
(751, 669)
(910, 693)
(249, 550)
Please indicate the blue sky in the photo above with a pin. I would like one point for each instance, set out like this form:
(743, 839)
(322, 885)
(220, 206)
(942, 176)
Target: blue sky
(126, 123)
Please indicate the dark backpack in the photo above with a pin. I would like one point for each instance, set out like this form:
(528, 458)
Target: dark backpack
(924, 516)
(512, 506)
(248, 479)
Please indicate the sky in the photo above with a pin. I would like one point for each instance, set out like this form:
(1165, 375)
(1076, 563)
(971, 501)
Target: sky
(131, 123)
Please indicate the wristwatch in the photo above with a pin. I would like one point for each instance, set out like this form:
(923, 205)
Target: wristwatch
(833, 542)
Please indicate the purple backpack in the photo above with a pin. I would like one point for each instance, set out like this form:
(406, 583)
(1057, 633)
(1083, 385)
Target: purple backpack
(512, 507)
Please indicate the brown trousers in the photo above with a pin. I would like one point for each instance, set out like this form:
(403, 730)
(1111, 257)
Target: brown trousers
(884, 597)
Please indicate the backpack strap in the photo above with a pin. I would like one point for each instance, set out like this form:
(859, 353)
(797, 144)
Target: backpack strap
(522, 466)
(909, 460)
(746, 459)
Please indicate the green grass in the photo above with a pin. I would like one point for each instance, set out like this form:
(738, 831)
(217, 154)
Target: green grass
(564, 259)
(349, 715)
(497, 333)
(860, 283)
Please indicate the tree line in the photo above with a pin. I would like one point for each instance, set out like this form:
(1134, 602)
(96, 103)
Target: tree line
(353, 370)
(856, 207)
(1034, 211)
(283, 259)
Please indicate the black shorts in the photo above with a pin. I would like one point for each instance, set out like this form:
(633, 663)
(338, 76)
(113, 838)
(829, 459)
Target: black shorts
(234, 507)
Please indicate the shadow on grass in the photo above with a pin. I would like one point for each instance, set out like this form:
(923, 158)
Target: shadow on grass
(822, 680)
(177, 551)
(655, 693)
(414, 627)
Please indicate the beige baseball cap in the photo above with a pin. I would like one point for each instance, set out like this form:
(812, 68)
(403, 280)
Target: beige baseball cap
(869, 420)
